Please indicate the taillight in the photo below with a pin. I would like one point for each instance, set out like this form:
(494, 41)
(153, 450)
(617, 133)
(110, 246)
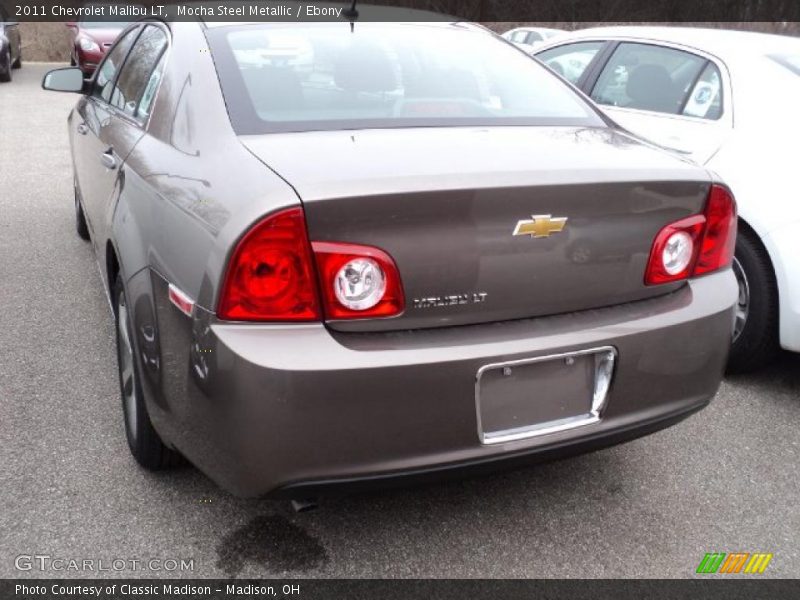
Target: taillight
(719, 241)
(675, 250)
(695, 245)
(357, 282)
(270, 275)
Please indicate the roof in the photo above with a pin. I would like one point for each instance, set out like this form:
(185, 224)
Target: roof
(719, 42)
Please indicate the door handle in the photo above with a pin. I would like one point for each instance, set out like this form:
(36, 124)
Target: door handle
(83, 129)
(108, 160)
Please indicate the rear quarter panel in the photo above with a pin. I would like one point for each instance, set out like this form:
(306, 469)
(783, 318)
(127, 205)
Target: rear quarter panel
(189, 191)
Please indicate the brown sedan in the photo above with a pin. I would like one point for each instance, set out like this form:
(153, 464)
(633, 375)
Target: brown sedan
(356, 257)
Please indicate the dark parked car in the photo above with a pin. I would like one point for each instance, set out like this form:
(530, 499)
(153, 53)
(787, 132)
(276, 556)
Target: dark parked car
(90, 42)
(340, 257)
(10, 49)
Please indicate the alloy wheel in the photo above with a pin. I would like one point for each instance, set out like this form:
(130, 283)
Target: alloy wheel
(126, 369)
(743, 302)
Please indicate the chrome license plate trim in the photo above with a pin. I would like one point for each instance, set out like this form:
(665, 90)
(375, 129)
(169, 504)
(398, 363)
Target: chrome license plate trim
(606, 356)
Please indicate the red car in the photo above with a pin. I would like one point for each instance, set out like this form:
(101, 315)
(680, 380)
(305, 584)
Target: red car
(90, 42)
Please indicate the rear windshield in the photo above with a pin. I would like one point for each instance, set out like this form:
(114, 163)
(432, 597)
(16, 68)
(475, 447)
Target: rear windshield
(325, 76)
(790, 61)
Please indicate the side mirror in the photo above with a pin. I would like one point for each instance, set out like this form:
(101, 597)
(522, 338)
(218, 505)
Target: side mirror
(64, 80)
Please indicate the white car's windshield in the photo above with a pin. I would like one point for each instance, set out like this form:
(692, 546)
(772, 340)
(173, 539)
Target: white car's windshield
(327, 77)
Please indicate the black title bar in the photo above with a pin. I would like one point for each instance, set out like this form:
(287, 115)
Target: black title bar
(409, 10)
(708, 588)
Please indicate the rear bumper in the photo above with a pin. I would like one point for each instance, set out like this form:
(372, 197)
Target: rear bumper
(295, 410)
(595, 440)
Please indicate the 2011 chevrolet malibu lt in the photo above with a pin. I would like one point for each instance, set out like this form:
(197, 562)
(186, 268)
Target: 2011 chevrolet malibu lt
(358, 256)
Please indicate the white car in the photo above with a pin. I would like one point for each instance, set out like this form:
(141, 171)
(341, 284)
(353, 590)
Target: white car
(729, 100)
(528, 38)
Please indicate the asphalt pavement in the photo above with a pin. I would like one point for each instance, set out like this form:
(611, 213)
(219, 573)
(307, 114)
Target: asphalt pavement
(725, 480)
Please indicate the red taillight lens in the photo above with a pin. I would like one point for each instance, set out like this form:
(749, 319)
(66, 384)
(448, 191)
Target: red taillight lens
(270, 275)
(719, 241)
(696, 245)
(358, 282)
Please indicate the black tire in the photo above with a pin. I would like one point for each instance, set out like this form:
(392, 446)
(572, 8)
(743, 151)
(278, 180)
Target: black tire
(18, 63)
(757, 343)
(80, 219)
(143, 440)
(72, 62)
(5, 69)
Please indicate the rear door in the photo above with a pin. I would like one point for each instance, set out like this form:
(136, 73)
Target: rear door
(119, 111)
(675, 98)
(95, 119)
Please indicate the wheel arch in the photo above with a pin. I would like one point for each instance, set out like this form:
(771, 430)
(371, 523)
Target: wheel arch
(759, 341)
(745, 227)
(141, 300)
(112, 265)
(780, 246)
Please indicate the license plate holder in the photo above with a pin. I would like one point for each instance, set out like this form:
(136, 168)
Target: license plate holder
(531, 397)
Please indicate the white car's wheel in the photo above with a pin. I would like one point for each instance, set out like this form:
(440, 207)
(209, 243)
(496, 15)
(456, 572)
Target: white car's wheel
(755, 341)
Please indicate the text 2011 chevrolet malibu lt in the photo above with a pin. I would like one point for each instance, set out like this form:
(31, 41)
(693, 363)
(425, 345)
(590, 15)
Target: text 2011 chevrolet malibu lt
(373, 255)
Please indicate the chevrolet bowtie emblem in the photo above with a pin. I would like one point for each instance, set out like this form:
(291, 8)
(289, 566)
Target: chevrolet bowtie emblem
(540, 226)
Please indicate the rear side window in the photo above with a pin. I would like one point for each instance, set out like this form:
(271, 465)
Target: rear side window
(135, 75)
(660, 79)
(309, 77)
(150, 90)
(705, 98)
(570, 61)
(107, 73)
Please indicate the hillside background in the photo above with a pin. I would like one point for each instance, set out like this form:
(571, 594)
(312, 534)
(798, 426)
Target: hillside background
(50, 41)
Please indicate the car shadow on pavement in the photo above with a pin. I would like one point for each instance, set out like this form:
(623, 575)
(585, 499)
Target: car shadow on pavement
(377, 529)
(264, 537)
(781, 376)
(273, 541)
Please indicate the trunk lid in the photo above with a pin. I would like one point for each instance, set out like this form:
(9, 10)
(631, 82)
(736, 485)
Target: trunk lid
(445, 204)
